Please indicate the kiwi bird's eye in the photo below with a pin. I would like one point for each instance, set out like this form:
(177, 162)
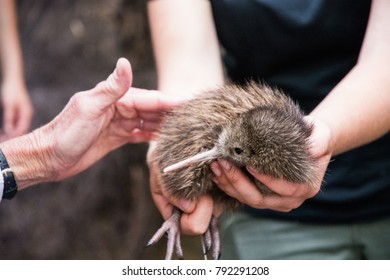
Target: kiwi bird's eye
(238, 151)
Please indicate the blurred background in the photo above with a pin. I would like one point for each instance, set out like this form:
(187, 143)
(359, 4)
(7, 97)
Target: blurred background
(107, 211)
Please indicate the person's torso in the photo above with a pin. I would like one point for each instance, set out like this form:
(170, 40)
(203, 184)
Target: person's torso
(305, 47)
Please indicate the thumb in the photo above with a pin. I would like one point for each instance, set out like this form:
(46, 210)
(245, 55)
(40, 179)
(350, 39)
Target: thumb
(109, 91)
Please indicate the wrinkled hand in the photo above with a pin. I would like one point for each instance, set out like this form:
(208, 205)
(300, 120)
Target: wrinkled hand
(288, 196)
(17, 109)
(97, 121)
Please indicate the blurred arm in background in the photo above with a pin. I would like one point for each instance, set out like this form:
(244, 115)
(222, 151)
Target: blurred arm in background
(16, 104)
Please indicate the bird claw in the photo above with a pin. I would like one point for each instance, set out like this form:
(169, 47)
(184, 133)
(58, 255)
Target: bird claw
(171, 227)
(207, 241)
(211, 240)
(216, 253)
(214, 230)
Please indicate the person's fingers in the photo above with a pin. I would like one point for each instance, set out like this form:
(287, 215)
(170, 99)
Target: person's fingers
(238, 185)
(162, 203)
(235, 183)
(223, 182)
(283, 187)
(198, 220)
(165, 204)
(161, 197)
(109, 91)
(8, 124)
(141, 102)
(281, 203)
(141, 137)
(9, 118)
(186, 205)
(24, 120)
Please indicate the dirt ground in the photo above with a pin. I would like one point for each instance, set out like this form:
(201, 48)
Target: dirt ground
(105, 212)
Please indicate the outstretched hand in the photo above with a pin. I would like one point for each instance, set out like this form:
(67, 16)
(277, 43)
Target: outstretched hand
(97, 121)
(92, 124)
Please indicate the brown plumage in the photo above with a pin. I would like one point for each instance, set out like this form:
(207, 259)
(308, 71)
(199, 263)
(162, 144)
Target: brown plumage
(252, 125)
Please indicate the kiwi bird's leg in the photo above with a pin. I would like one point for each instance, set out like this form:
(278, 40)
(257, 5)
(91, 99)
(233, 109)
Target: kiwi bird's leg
(214, 230)
(206, 243)
(211, 240)
(203, 156)
(172, 227)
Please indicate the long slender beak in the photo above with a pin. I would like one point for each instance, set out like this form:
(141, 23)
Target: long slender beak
(208, 155)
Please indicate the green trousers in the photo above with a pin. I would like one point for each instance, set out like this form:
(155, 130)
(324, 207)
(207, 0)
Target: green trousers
(247, 237)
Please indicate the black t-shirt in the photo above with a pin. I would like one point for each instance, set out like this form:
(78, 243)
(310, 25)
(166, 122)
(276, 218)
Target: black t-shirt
(306, 47)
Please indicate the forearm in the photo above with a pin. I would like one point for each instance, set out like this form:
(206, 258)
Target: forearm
(185, 45)
(356, 110)
(27, 158)
(10, 50)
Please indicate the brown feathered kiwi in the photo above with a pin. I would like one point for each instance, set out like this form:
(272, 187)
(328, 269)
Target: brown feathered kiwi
(253, 125)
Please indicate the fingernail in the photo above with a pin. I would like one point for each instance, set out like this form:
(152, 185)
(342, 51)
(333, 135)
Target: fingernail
(185, 205)
(225, 164)
(215, 168)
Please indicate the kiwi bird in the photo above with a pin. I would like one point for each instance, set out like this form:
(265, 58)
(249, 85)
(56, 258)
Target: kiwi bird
(253, 125)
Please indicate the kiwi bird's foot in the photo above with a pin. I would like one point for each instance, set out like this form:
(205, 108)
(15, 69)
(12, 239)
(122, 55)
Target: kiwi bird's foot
(172, 228)
(211, 240)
